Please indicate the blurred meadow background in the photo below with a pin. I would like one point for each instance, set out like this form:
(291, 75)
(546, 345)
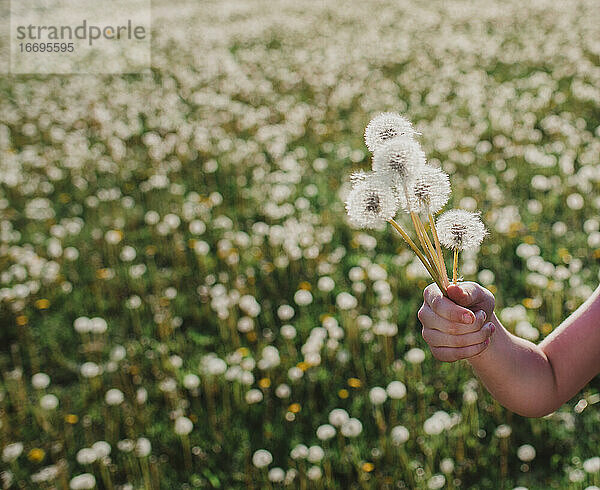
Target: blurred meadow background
(183, 303)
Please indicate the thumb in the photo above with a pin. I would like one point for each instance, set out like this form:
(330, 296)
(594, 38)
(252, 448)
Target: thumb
(465, 294)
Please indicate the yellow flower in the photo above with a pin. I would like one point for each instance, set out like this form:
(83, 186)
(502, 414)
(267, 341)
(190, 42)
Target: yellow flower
(36, 455)
(303, 365)
(42, 304)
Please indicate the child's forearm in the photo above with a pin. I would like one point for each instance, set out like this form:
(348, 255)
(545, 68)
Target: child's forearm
(517, 373)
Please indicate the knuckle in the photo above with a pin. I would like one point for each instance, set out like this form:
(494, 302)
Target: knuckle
(427, 293)
(421, 313)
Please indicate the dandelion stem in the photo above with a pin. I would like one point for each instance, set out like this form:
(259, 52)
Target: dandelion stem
(455, 267)
(427, 244)
(419, 254)
(438, 248)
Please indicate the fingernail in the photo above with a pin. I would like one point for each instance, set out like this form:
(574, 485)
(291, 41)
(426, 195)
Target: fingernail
(487, 341)
(493, 327)
(467, 318)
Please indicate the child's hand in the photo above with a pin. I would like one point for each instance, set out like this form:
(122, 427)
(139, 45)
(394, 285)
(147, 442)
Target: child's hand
(456, 328)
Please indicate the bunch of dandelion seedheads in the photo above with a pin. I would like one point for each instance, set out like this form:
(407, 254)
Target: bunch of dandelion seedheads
(401, 178)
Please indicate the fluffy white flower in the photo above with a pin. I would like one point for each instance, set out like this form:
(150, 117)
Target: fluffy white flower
(82, 482)
(300, 451)
(12, 451)
(526, 453)
(314, 473)
(338, 417)
(191, 381)
(352, 428)
(276, 475)
(90, 369)
(460, 230)
(396, 390)
(447, 465)
(253, 396)
(415, 355)
(345, 301)
(49, 402)
(40, 381)
(114, 396)
(262, 458)
(436, 481)
(386, 126)
(428, 190)
(371, 201)
(325, 432)
(183, 426)
(503, 431)
(399, 159)
(315, 454)
(142, 447)
(592, 465)
(86, 456)
(377, 395)
(400, 435)
(101, 448)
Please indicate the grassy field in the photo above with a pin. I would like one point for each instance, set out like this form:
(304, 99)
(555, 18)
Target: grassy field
(183, 303)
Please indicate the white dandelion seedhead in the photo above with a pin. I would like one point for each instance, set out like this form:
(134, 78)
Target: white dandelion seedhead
(357, 177)
(400, 157)
(371, 201)
(460, 230)
(386, 126)
(427, 191)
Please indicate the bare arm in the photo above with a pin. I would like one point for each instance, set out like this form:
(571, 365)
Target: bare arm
(531, 380)
(536, 380)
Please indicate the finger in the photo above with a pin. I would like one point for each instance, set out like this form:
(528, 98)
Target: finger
(446, 308)
(429, 319)
(430, 292)
(435, 338)
(465, 294)
(451, 354)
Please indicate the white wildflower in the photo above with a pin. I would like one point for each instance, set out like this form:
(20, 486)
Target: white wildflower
(400, 435)
(387, 126)
(183, 426)
(398, 159)
(460, 230)
(262, 458)
(428, 190)
(371, 201)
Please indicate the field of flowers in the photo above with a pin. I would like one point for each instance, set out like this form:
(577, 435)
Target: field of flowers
(183, 303)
